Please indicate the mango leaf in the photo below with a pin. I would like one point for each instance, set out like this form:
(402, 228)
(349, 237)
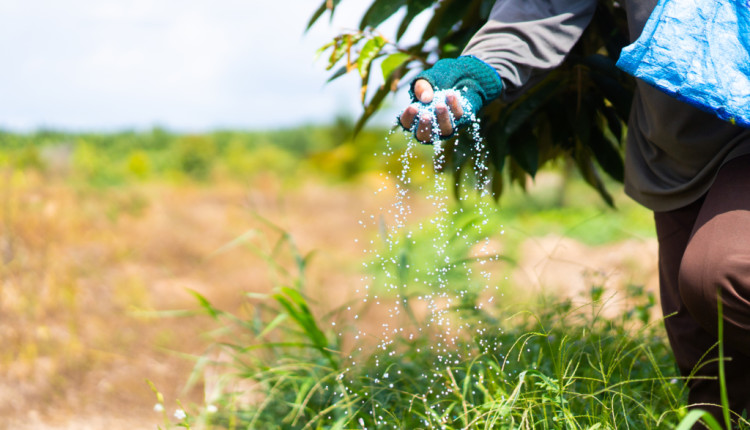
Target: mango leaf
(379, 11)
(339, 49)
(606, 154)
(591, 175)
(524, 108)
(342, 45)
(462, 150)
(372, 107)
(319, 12)
(524, 149)
(316, 15)
(497, 184)
(393, 62)
(339, 73)
(371, 49)
(517, 174)
(497, 144)
(325, 47)
(620, 97)
(447, 15)
(614, 123)
(543, 135)
(582, 117)
(413, 8)
(437, 18)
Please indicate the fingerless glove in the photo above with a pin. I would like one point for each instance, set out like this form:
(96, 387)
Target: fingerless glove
(474, 79)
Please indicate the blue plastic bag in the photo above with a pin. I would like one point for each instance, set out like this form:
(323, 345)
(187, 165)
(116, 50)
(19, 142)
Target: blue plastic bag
(699, 52)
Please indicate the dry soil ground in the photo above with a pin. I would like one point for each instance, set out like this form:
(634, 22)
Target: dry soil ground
(83, 271)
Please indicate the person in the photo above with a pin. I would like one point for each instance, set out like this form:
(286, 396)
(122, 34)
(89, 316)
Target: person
(687, 166)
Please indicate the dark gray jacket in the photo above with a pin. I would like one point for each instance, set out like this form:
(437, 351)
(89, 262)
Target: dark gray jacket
(673, 150)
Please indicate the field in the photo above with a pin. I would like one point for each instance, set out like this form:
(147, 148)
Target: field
(133, 257)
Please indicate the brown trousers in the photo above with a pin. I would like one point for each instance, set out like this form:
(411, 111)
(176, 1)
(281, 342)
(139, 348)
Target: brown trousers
(704, 249)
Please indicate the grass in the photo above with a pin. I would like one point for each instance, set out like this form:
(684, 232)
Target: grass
(277, 360)
(558, 365)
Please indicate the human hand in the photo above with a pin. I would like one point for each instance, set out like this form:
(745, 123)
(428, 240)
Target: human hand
(444, 111)
(447, 96)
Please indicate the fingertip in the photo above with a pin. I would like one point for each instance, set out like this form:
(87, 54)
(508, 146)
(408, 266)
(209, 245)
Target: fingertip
(407, 117)
(443, 119)
(423, 91)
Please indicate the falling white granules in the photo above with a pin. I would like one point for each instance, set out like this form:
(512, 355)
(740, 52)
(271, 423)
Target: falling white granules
(419, 289)
(429, 109)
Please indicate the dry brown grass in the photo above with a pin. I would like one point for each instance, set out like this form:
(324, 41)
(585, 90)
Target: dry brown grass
(82, 271)
(82, 268)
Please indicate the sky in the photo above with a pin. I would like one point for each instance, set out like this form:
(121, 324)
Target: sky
(186, 65)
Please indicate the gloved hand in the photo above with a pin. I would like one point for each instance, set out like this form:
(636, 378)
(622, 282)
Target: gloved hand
(474, 84)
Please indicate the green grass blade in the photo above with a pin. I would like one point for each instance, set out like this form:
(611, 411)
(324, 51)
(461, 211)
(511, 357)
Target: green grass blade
(698, 414)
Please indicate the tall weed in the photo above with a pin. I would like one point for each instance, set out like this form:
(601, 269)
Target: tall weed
(558, 366)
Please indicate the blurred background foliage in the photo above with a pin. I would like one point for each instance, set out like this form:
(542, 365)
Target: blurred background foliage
(122, 162)
(328, 152)
(304, 154)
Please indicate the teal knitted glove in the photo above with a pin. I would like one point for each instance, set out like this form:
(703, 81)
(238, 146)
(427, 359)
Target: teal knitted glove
(476, 81)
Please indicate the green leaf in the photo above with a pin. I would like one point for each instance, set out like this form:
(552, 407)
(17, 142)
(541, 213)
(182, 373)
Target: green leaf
(447, 15)
(206, 305)
(614, 123)
(296, 298)
(620, 97)
(522, 110)
(497, 185)
(393, 62)
(316, 15)
(319, 12)
(324, 48)
(591, 175)
(694, 416)
(462, 150)
(339, 73)
(368, 53)
(524, 149)
(379, 11)
(413, 8)
(607, 154)
(272, 325)
(372, 107)
(342, 45)
(608, 80)
(338, 51)
(517, 174)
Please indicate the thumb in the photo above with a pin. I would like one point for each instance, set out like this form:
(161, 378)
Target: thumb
(423, 91)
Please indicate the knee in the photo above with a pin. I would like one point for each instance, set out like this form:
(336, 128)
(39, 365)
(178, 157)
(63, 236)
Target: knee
(706, 273)
(701, 276)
